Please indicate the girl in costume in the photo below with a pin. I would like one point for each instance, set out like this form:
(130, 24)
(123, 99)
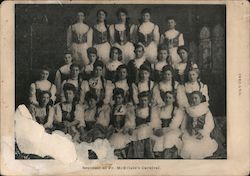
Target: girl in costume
(144, 84)
(148, 35)
(92, 56)
(147, 121)
(79, 39)
(42, 85)
(63, 72)
(122, 33)
(43, 112)
(172, 39)
(167, 83)
(123, 122)
(66, 119)
(198, 125)
(167, 139)
(113, 63)
(101, 36)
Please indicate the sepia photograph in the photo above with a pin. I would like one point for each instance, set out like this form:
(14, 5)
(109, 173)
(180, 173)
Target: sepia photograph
(100, 83)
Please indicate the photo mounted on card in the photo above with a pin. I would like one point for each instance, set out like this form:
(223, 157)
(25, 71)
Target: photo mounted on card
(121, 88)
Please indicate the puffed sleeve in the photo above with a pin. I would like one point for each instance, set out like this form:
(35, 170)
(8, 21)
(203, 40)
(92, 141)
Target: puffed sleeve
(79, 115)
(182, 97)
(205, 92)
(53, 92)
(155, 118)
(90, 37)
(84, 88)
(177, 119)
(208, 126)
(57, 113)
(32, 97)
(50, 117)
(108, 92)
(133, 33)
(181, 40)
(58, 82)
(112, 34)
(156, 34)
(130, 120)
(135, 93)
(69, 36)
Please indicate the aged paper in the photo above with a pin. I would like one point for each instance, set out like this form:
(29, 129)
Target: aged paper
(237, 107)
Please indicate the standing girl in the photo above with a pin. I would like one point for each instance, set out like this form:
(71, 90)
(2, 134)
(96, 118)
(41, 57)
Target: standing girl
(101, 36)
(172, 39)
(149, 36)
(121, 35)
(42, 85)
(79, 39)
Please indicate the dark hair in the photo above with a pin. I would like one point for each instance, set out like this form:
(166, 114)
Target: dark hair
(98, 63)
(102, 10)
(123, 66)
(182, 48)
(67, 52)
(145, 67)
(138, 46)
(146, 10)
(170, 18)
(170, 68)
(91, 50)
(162, 47)
(74, 65)
(119, 52)
(118, 91)
(89, 95)
(69, 86)
(144, 94)
(41, 93)
(45, 67)
(197, 93)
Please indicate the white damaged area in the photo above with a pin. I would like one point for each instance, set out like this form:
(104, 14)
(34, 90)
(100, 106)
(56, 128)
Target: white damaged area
(31, 138)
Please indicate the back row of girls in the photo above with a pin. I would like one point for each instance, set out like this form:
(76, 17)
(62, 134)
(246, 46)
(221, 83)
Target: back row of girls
(122, 35)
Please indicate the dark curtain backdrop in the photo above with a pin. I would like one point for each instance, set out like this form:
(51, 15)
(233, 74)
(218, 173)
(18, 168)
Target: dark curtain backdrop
(40, 36)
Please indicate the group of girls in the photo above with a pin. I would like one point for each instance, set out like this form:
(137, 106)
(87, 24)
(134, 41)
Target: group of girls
(129, 85)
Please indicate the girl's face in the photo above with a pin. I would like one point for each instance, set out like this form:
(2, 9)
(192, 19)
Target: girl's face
(171, 24)
(92, 102)
(163, 54)
(67, 58)
(118, 99)
(44, 74)
(114, 54)
(169, 99)
(101, 16)
(183, 55)
(98, 71)
(167, 75)
(80, 17)
(193, 76)
(139, 52)
(195, 100)
(92, 57)
(45, 99)
(74, 72)
(143, 101)
(144, 75)
(122, 74)
(69, 96)
(122, 16)
(146, 17)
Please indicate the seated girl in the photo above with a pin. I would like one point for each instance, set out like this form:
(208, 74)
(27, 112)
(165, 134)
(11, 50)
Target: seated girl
(146, 121)
(43, 112)
(144, 84)
(96, 119)
(65, 118)
(92, 56)
(167, 83)
(198, 125)
(74, 78)
(42, 85)
(163, 60)
(185, 65)
(123, 122)
(63, 72)
(113, 63)
(167, 139)
(96, 83)
(193, 84)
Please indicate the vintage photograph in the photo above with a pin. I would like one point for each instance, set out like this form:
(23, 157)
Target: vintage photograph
(120, 81)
